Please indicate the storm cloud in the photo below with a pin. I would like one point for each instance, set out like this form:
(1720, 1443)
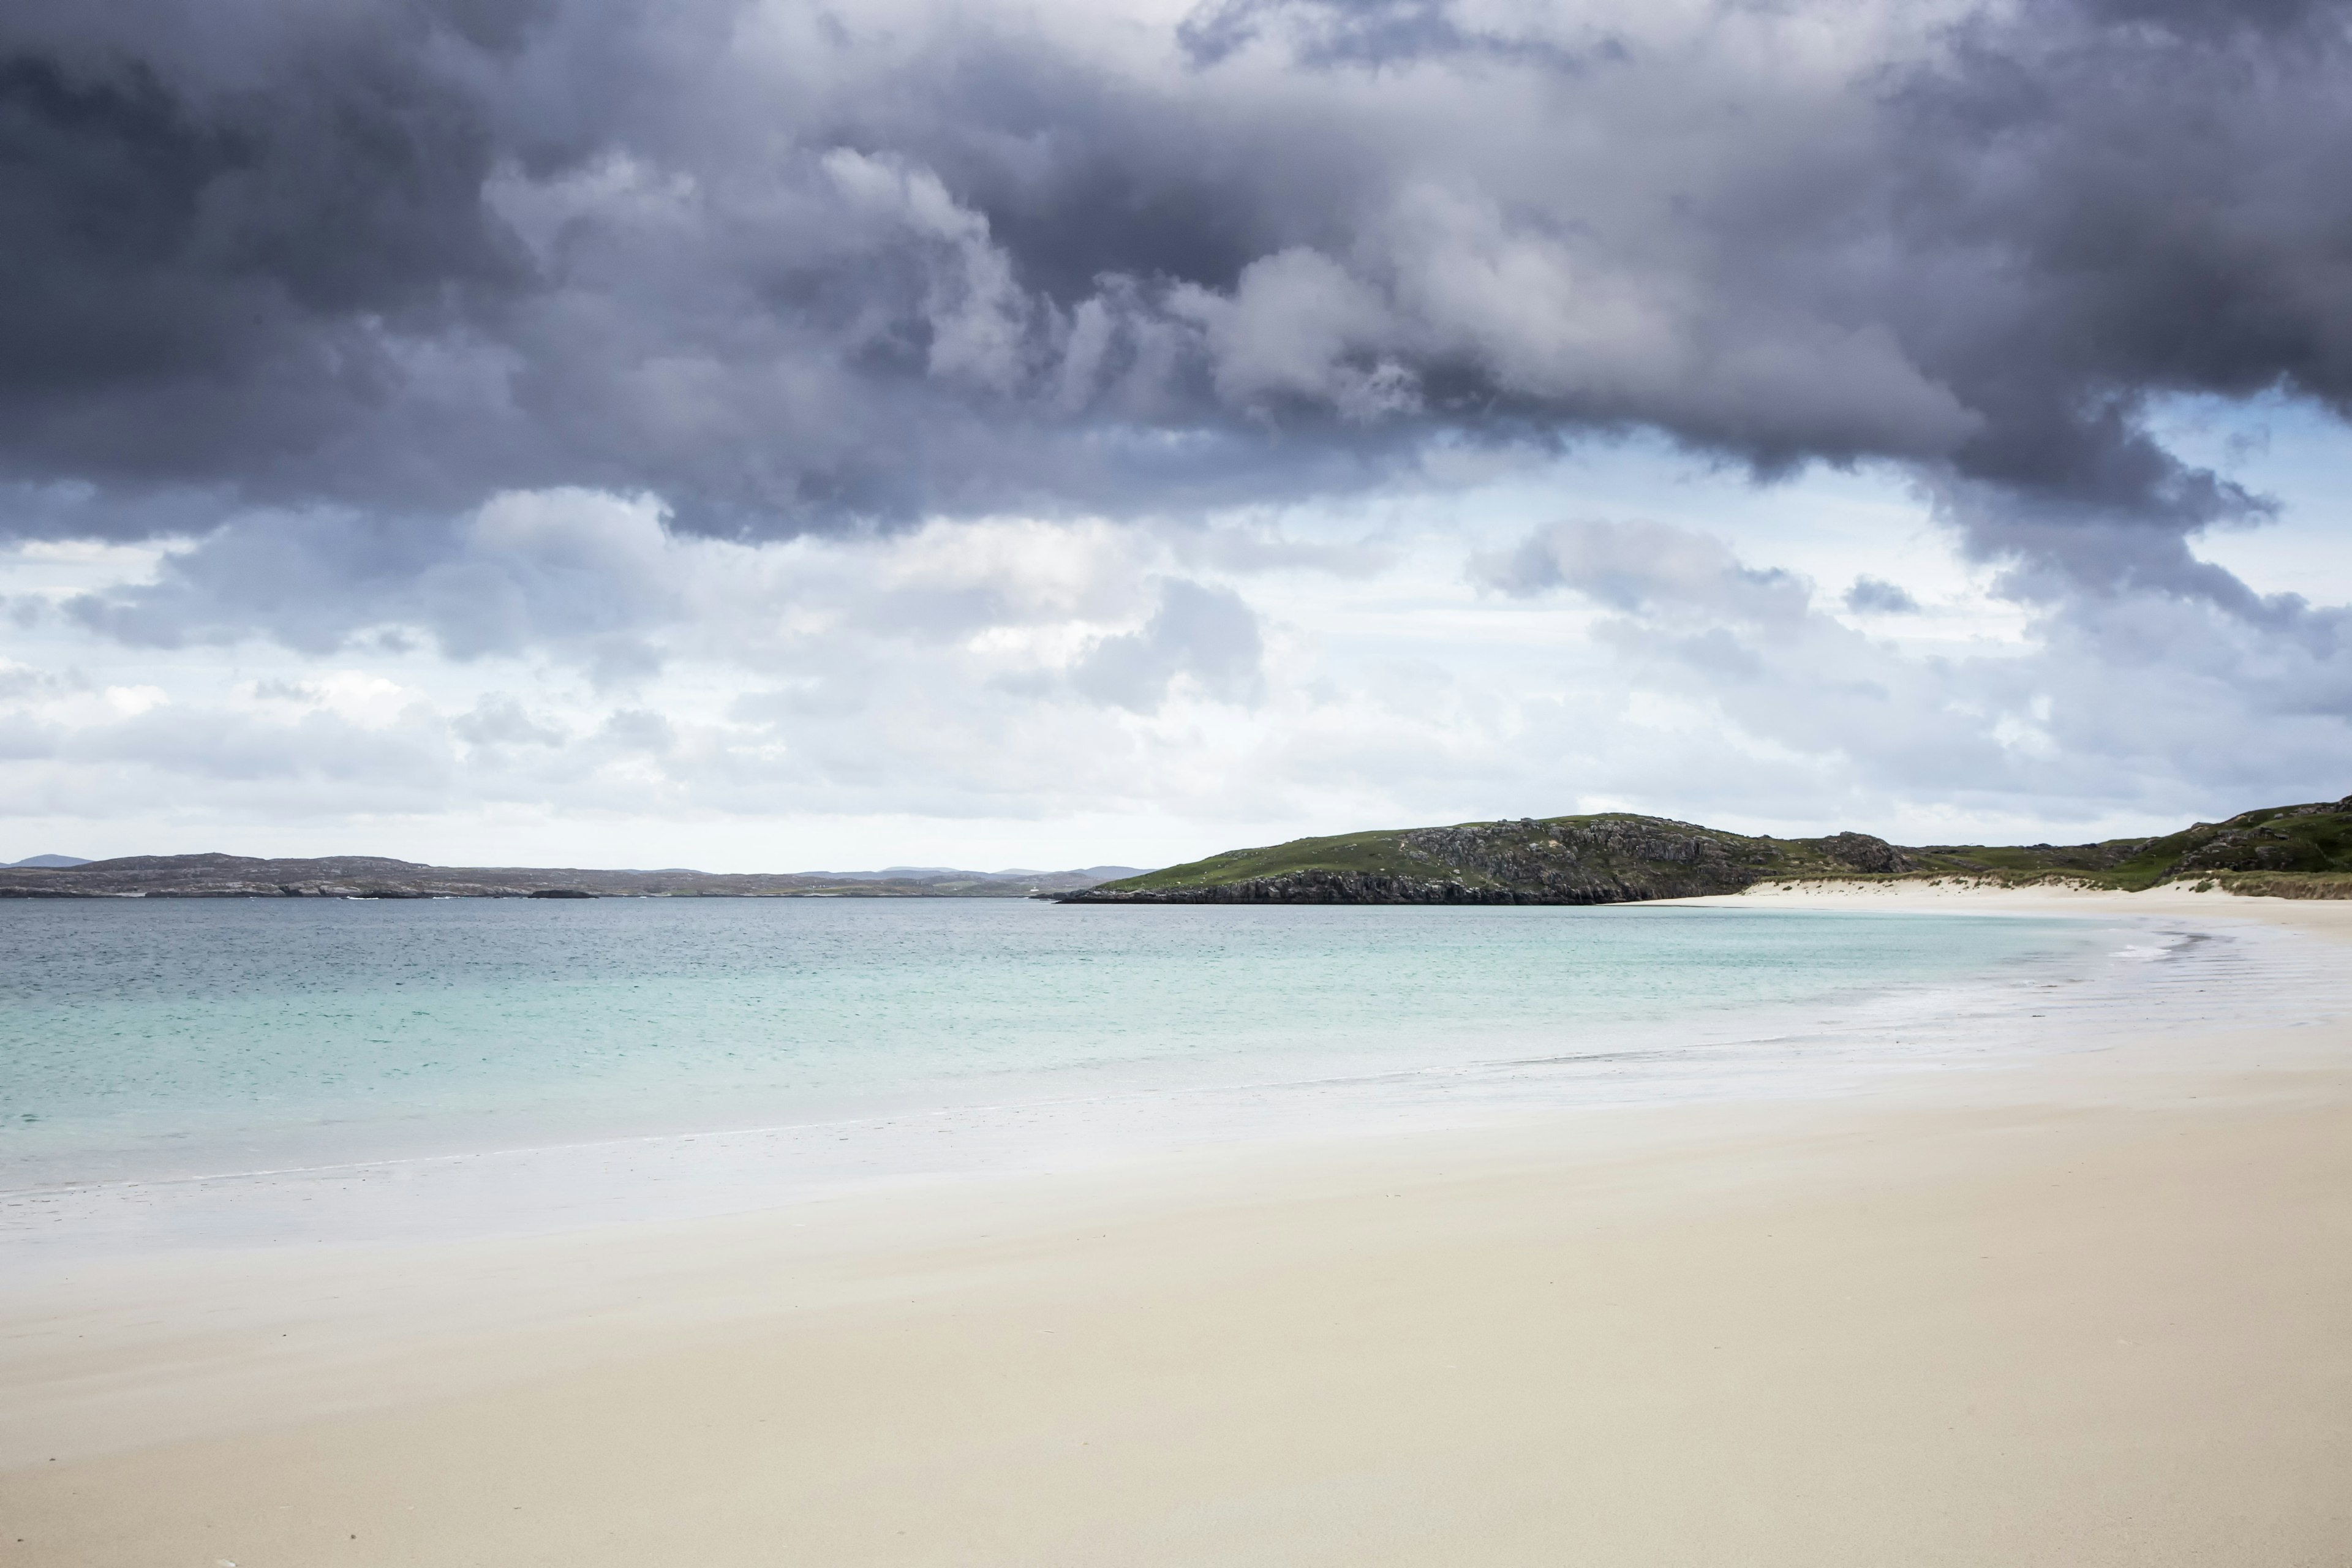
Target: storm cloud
(1012, 410)
(789, 267)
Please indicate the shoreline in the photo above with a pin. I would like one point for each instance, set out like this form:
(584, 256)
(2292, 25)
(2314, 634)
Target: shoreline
(2086, 1305)
(1959, 896)
(1811, 1047)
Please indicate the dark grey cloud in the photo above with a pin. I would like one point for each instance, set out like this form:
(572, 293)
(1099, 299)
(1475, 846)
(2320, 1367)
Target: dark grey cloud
(225, 224)
(2111, 202)
(1342, 33)
(787, 268)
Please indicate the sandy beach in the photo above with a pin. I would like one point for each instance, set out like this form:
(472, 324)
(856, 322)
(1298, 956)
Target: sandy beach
(2085, 1309)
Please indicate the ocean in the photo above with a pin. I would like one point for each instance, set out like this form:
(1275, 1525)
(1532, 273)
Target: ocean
(742, 1051)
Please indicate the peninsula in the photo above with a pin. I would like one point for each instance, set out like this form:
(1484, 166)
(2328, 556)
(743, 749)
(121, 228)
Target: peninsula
(2296, 851)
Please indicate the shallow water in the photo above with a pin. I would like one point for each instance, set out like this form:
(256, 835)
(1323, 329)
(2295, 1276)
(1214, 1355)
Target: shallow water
(153, 1038)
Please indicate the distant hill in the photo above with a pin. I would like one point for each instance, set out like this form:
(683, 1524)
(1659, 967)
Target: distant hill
(370, 876)
(1619, 857)
(52, 861)
(921, 873)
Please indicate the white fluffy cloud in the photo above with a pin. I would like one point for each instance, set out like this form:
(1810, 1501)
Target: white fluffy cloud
(569, 678)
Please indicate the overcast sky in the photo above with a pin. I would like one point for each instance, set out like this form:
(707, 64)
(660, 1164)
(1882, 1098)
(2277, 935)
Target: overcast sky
(754, 434)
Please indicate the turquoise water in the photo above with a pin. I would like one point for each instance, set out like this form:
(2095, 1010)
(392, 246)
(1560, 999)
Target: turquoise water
(154, 1038)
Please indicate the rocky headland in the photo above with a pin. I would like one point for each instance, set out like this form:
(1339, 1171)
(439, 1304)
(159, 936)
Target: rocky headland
(1618, 858)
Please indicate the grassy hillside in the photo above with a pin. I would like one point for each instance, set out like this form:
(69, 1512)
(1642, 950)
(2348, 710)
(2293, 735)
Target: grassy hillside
(1613, 858)
(2312, 841)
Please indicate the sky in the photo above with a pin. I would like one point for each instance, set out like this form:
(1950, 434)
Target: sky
(755, 435)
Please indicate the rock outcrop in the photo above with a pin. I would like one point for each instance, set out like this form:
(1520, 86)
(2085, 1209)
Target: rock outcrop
(1861, 852)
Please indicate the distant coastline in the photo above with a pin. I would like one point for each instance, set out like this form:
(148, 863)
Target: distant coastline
(373, 877)
(2290, 851)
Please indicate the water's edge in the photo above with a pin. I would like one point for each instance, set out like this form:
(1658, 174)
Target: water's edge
(2070, 984)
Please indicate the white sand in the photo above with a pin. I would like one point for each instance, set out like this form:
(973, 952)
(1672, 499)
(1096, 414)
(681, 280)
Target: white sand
(1955, 896)
(2095, 1310)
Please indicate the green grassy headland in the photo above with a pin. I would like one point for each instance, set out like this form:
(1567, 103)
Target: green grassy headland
(2301, 851)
